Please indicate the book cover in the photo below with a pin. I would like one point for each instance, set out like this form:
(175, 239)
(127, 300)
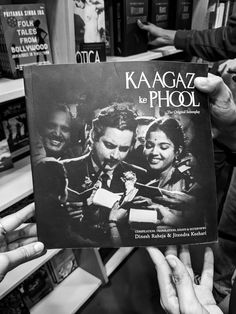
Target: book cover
(182, 14)
(62, 265)
(145, 172)
(36, 286)
(14, 121)
(14, 303)
(159, 13)
(89, 26)
(5, 154)
(91, 52)
(24, 37)
(129, 39)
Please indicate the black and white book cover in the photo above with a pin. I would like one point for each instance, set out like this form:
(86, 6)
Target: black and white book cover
(5, 154)
(14, 122)
(90, 31)
(24, 37)
(121, 154)
(129, 39)
(91, 52)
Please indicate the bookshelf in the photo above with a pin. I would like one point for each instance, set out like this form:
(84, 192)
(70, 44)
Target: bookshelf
(17, 179)
(11, 89)
(81, 284)
(76, 288)
(17, 275)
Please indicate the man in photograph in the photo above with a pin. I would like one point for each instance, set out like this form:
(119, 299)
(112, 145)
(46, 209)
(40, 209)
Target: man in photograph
(54, 134)
(112, 136)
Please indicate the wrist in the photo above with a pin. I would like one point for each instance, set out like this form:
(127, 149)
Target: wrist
(169, 36)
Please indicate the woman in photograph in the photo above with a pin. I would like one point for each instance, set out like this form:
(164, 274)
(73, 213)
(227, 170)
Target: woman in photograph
(169, 168)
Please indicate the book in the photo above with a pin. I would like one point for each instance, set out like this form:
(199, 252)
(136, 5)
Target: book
(36, 286)
(220, 8)
(109, 27)
(5, 154)
(129, 39)
(159, 13)
(14, 303)
(91, 52)
(62, 265)
(90, 29)
(147, 159)
(24, 38)
(14, 121)
(200, 15)
(182, 14)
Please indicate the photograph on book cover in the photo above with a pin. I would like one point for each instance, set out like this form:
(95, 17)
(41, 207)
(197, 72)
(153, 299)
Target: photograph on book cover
(14, 121)
(121, 154)
(24, 37)
(90, 34)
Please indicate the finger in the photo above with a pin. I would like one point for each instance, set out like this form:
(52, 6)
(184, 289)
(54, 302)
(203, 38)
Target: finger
(222, 104)
(163, 275)
(211, 85)
(185, 258)
(171, 250)
(208, 269)
(80, 217)
(75, 212)
(164, 210)
(21, 255)
(21, 242)
(75, 204)
(13, 221)
(143, 26)
(183, 284)
(27, 230)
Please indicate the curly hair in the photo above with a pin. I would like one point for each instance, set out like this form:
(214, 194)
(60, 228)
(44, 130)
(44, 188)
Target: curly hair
(118, 116)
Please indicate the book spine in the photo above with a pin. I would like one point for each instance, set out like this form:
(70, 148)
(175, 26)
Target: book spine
(183, 17)
(159, 13)
(118, 27)
(129, 38)
(109, 28)
(5, 64)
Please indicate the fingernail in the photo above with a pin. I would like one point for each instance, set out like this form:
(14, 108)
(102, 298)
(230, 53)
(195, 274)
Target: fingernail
(171, 261)
(38, 247)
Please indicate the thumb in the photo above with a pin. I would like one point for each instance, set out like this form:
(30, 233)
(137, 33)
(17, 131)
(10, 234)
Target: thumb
(12, 259)
(223, 108)
(142, 26)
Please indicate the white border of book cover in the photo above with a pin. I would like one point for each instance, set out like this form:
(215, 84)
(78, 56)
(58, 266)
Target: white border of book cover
(121, 154)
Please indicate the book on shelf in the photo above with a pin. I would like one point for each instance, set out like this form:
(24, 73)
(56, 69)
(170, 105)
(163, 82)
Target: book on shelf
(159, 13)
(144, 174)
(200, 15)
(129, 39)
(109, 27)
(36, 286)
(5, 154)
(182, 14)
(62, 265)
(24, 38)
(90, 31)
(14, 303)
(91, 52)
(14, 121)
(220, 8)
